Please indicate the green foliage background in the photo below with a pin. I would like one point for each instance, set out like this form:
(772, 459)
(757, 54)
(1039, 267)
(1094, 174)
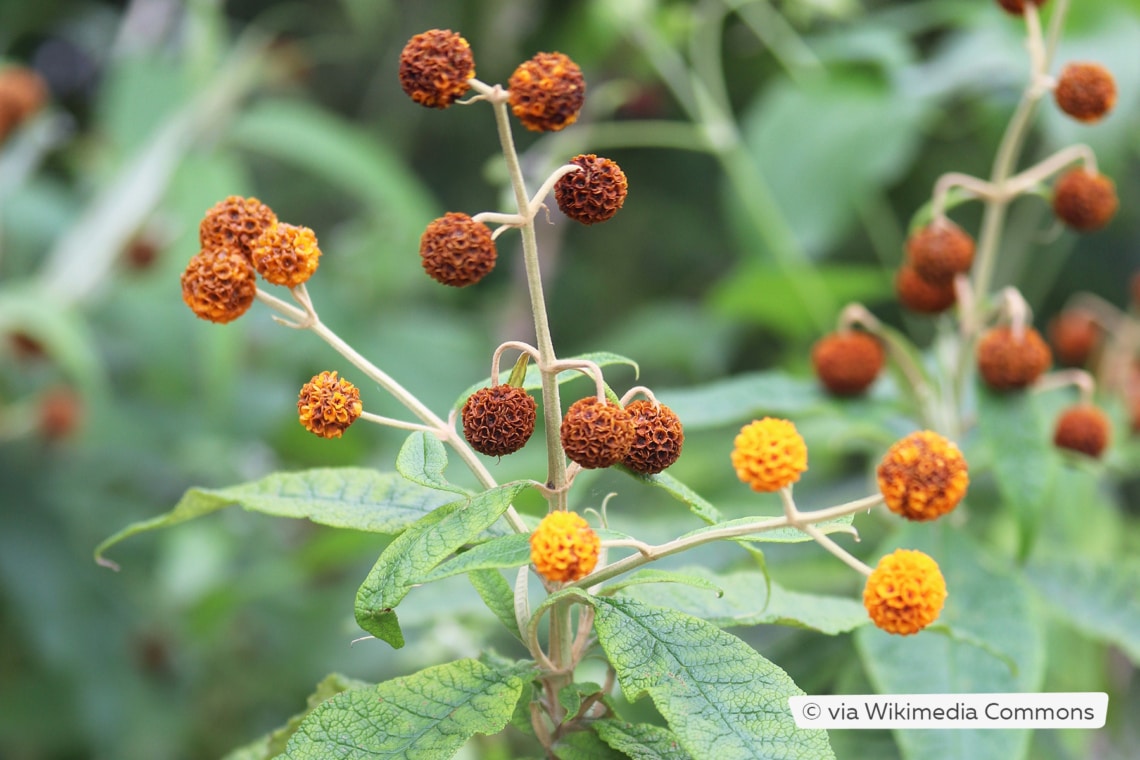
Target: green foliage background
(216, 630)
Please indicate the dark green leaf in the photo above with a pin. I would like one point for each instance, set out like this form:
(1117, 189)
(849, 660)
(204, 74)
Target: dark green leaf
(425, 716)
(585, 745)
(502, 552)
(498, 595)
(640, 741)
(423, 459)
(416, 551)
(344, 497)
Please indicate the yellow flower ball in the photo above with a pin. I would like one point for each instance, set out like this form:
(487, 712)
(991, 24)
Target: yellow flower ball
(905, 592)
(564, 547)
(769, 454)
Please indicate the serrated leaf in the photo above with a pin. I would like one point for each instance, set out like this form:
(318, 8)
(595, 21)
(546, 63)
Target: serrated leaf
(418, 550)
(425, 716)
(341, 497)
(1097, 597)
(533, 380)
(502, 552)
(662, 576)
(640, 741)
(719, 696)
(497, 594)
(744, 602)
(273, 744)
(987, 602)
(423, 459)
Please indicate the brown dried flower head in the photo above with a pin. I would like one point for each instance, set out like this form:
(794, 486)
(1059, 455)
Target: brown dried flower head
(1009, 362)
(547, 92)
(596, 434)
(1084, 200)
(1085, 91)
(657, 437)
(1082, 428)
(847, 362)
(328, 404)
(435, 67)
(1073, 334)
(593, 194)
(23, 93)
(498, 420)
(235, 224)
(456, 250)
(916, 294)
(59, 413)
(219, 285)
(1017, 7)
(286, 255)
(939, 251)
(923, 476)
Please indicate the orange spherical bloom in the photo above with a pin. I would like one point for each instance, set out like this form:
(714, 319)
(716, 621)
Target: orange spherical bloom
(499, 420)
(939, 251)
(435, 67)
(286, 255)
(547, 92)
(456, 250)
(1084, 200)
(1082, 428)
(905, 592)
(1074, 335)
(594, 193)
(234, 224)
(916, 294)
(923, 476)
(769, 454)
(1085, 91)
(848, 362)
(1008, 362)
(219, 285)
(564, 547)
(328, 404)
(596, 434)
(658, 438)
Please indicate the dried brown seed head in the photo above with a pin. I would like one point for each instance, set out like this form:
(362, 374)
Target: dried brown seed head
(235, 224)
(923, 476)
(596, 434)
(848, 362)
(547, 92)
(1085, 91)
(1084, 200)
(1073, 334)
(1082, 428)
(23, 93)
(939, 251)
(657, 438)
(435, 67)
(328, 404)
(219, 285)
(286, 255)
(456, 250)
(593, 194)
(498, 420)
(1007, 362)
(919, 295)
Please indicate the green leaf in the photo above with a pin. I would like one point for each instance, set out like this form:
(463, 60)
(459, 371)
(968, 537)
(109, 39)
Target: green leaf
(498, 595)
(341, 497)
(423, 459)
(273, 744)
(505, 551)
(745, 397)
(1021, 454)
(718, 695)
(425, 716)
(696, 503)
(662, 576)
(640, 741)
(533, 380)
(986, 602)
(518, 372)
(585, 745)
(416, 551)
(1098, 597)
(743, 601)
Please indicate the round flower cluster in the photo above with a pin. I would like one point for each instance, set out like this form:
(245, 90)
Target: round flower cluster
(657, 437)
(596, 434)
(916, 294)
(435, 67)
(328, 404)
(1074, 335)
(22, 94)
(564, 547)
(769, 454)
(905, 592)
(923, 476)
(547, 92)
(1008, 362)
(235, 224)
(286, 255)
(847, 362)
(456, 250)
(594, 193)
(1085, 91)
(1084, 200)
(219, 285)
(1082, 428)
(499, 420)
(934, 255)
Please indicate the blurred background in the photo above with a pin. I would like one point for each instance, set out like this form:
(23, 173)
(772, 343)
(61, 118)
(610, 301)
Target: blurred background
(775, 153)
